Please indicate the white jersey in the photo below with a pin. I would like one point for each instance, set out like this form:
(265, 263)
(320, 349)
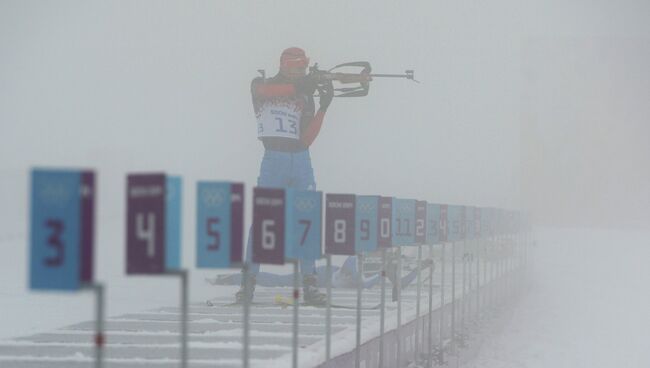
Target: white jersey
(279, 120)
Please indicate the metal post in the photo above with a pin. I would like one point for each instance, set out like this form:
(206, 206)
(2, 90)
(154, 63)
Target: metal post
(495, 272)
(430, 339)
(328, 309)
(506, 266)
(382, 308)
(246, 306)
(487, 273)
(357, 360)
(470, 283)
(417, 306)
(500, 276)
(483, 255)
(493, 278)
(509, 265)
(504, 269)
(99, 325)
(453, 293)
(499, 270)
(442, 305)
(477, 242)
(184, 316)
(398, 279)
(296, 304)
(463, 291)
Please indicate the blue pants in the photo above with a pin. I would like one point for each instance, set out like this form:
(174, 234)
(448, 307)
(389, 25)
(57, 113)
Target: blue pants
(284, 170)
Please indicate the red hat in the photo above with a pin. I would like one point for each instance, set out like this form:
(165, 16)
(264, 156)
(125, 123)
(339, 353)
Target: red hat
(293, 57)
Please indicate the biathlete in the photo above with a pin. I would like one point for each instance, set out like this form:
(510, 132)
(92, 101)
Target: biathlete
(287, 124)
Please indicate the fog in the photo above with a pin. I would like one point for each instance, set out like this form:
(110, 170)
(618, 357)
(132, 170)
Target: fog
(145, 86)
(535, 105)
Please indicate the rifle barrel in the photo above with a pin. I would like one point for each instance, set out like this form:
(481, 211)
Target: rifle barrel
(408, 76)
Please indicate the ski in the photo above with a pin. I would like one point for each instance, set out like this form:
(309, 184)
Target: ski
(214, 303)
(286, 302)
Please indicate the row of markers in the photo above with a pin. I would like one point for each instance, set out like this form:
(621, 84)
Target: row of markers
(287, 225)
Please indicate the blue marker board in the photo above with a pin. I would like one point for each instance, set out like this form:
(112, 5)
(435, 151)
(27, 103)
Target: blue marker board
(219, 224)
(367, 223)
(404, 222)
(62, 225)
(304, 221)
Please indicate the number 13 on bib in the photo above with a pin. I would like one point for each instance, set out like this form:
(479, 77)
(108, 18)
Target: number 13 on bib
(279, 121)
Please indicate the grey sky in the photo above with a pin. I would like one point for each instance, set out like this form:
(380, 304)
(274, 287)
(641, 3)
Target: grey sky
(124, 86)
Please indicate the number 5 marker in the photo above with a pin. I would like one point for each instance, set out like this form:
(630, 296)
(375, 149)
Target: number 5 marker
(219, 224)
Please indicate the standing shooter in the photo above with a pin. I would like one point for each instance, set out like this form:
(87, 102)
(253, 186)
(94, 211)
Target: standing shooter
(287, 125)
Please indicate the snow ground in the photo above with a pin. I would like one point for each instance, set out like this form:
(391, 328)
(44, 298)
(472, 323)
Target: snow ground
(586, 308)
(589, 306)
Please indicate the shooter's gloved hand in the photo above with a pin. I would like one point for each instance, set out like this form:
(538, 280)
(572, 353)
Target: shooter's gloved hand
(326, 93)
(305, 86)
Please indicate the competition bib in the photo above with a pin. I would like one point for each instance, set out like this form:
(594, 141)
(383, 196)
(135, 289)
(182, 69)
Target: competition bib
(279, 121)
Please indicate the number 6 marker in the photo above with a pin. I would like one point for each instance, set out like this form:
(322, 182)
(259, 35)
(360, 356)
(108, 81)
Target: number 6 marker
(269, 230)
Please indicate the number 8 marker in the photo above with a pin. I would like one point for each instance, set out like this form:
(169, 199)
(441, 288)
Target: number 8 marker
(340, 224)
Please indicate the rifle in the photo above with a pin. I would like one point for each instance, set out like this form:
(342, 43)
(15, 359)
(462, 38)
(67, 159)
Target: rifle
(360, 77)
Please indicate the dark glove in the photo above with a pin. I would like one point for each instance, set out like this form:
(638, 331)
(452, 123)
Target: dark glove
(326, 94)
(305, 86)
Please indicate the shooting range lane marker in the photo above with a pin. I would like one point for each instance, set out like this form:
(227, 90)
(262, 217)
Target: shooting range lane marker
(153, 238)
(62, 226)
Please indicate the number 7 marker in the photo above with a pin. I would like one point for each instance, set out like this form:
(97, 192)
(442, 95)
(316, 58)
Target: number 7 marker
(304, 222)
